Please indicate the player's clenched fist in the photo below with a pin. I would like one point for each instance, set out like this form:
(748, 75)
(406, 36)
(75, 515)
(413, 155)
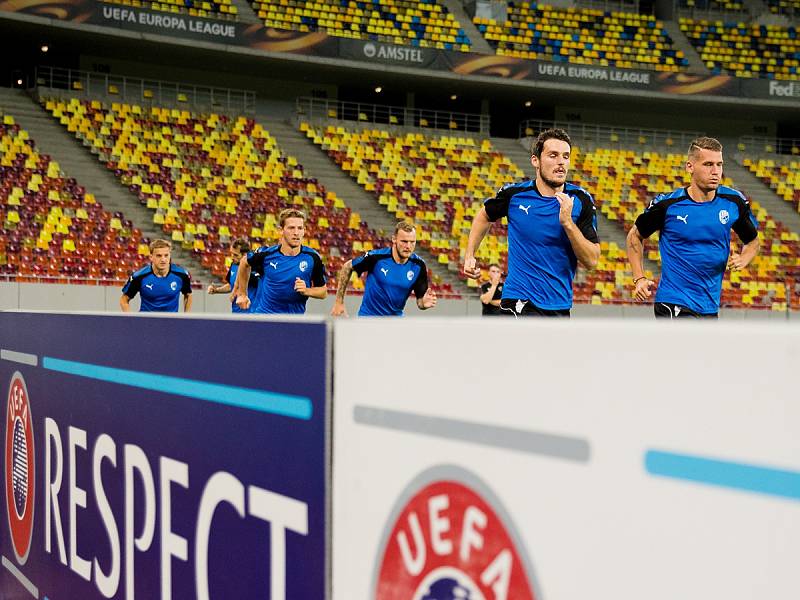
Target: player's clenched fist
(471, 269)
(642, 288)
(565, 213)
(243, 302)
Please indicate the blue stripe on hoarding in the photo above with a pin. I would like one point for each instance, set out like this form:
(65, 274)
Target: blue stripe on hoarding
(296, 407)
(739, 476)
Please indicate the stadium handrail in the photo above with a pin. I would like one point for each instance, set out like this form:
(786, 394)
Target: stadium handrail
(769, 145)
(604, 134)
(748, 13)
(623, 6)
(323, 110)
(72, 279)
(148, 91)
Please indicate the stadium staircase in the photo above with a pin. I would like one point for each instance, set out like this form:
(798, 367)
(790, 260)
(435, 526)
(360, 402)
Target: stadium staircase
(479, 43)
(682, 43)
(76, 161)
(246, 13)
(317, 164)
(754, 188)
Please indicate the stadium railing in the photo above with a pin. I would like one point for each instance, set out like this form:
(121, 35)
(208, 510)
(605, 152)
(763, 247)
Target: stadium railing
(768, 145)
(318, 109)
(605, 134)
(72, 83)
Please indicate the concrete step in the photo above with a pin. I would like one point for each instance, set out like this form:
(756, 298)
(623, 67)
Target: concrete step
(682, 43)
(245, 12)
(479, 43)
(76, 161)
(317, 164)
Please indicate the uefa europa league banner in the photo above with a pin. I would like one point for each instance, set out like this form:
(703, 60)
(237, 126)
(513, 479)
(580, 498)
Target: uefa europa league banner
(157, 457)
(319, 43)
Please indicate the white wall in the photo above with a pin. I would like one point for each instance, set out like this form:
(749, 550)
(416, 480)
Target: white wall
(62, 297)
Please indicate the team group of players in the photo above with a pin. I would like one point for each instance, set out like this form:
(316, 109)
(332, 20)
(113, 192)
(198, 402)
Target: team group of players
(552, 226)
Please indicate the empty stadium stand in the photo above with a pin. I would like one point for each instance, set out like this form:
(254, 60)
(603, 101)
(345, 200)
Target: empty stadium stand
(209, 178)
(426, 24)
(583, 36)
(52, 230)
(746, 50)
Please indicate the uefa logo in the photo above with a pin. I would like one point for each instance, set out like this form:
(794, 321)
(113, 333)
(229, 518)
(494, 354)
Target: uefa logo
(370, 50)
(20, 475)
(447, 542)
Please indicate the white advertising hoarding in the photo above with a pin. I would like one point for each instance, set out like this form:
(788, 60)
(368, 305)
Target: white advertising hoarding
(502, 460)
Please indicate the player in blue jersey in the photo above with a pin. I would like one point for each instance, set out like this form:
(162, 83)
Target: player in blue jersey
(695, 240)
(239, 248)
(392, 274)
(552, 226)
(290, 272)
(160, 283)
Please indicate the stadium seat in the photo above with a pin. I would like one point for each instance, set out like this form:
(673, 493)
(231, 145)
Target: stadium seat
(582, 36)
(425, 24)
(210, 178)
(746, 50)
(52, 230)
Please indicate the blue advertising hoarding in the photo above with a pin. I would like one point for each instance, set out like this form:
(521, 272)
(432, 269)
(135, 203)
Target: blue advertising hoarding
(162, 457)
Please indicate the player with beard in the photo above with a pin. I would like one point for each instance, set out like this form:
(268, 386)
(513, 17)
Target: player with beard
(552, 226)
(290, 272)
(392, 274)
(695, 241)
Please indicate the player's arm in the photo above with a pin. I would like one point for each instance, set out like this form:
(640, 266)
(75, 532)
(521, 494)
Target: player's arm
(186, 290)
(480, 227)
(486, 297)
(129, 291)
(318, 288)
(319, 292)
(240, 285)
(650, 221)
(737, 262)
(746, 227)
(493, 210)
(342, 281)
(219, 288)
(586, 250)
(426, 297)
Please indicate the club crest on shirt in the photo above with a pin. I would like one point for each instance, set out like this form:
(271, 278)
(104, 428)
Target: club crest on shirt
(724, 217)
(303, 266)
(410, 275)
(173, 286)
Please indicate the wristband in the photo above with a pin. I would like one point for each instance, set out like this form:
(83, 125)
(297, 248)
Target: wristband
(639, 279)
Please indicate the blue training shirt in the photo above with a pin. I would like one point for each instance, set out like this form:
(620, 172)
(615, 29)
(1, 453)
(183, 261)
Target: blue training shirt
(541, 261)
(159, 294)
(278, 272)
(389, 283)
(695, 243)
(252, 287)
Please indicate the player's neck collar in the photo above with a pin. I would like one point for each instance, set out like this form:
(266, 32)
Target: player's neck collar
(396, 258)
(538, 191)
(699, 192)
(289, 251)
